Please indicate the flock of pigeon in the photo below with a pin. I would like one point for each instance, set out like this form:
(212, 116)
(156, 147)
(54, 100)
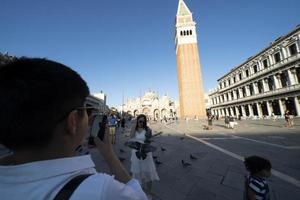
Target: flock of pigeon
(156, 159)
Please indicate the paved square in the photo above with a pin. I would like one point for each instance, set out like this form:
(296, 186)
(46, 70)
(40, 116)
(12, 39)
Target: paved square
(218, 172)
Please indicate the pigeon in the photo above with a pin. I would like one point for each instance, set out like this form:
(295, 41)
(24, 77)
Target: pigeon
(185, 164)
(181, 138)
(158, 162)
(122, 151)
(192, 157)
(162, 149)
(122, 159)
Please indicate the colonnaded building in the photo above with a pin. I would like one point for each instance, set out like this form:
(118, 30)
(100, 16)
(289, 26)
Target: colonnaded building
(152, 106)
(268, 82)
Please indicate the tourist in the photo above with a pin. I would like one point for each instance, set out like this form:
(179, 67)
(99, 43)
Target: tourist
(143, 169)
(287, 118)
(43, 121)
(226, 121)
(112, 123)
(256, 186)
(231, 122)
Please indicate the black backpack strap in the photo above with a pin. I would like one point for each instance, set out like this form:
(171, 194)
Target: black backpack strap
(69, 188)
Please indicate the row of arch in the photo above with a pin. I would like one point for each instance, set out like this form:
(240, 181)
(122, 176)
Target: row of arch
(187, 32)
(157, 114)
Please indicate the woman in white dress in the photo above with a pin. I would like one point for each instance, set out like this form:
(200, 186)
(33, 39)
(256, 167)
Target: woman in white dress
(142, 169)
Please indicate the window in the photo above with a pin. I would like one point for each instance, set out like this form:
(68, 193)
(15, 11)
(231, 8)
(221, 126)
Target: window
(284, 79)
(247, 72)
(260, 86)
(298, 73)
(229, 82)
(184, 33)
(190, 32)
(255, 68)
(181, 33)
(240, 76)
(251, 89)
(293, 49)
(271, 83)
(277, 57)
(244, 91)
(234, 79)
(265, 63)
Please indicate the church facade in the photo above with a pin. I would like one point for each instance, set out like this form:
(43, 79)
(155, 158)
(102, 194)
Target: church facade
(152, 106)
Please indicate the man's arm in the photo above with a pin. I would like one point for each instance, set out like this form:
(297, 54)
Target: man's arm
(116, 167)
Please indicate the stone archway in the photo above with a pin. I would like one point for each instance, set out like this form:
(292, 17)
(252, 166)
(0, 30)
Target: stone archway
(146, 111)
(163, 113)
(156, 114)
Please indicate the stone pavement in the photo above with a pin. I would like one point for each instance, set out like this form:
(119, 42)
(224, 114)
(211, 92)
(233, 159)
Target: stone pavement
(214, 175)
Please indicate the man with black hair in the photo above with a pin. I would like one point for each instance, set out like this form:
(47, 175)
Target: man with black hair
(43, 120)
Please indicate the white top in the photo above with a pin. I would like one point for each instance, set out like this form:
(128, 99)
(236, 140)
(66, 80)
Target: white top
(42, 180)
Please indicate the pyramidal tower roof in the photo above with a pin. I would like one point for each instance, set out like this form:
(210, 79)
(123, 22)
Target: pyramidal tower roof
(183, 9)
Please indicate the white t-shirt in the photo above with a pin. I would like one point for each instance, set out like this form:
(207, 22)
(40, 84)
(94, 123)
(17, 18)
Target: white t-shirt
(42, 180)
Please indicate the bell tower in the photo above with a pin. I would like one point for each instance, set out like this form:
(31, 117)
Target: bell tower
(191, 95)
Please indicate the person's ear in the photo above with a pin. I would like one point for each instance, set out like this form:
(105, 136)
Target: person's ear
(72, 122)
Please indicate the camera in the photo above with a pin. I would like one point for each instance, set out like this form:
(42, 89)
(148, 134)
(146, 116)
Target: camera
(98, 129)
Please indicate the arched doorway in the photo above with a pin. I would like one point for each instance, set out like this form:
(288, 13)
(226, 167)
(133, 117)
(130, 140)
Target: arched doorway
(146, 111)
(156, 115)
(164, 113)
(136, 113)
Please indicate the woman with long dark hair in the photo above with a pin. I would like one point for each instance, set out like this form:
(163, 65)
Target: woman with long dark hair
(142, 166)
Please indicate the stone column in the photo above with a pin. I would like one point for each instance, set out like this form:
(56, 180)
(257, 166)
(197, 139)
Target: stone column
(270, 60)
(281, 107)
(265, 85)
(240, 92)
(260, 65)
(269, 108)
(234, 94)
(247, 90)
(259, 110)
(297, 106)
(229, 96)
(291, 76)
(237, 111)
(284, 53)
(231, 111)
(294, 72)
(226, 112)
(243, 110)
(250, 110)
(255, 87)
(276, 81)
(225, 97)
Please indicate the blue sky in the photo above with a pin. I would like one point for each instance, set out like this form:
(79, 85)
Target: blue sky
(127, 47)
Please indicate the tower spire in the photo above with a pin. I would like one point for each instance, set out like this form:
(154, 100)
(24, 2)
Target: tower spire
(183, 9)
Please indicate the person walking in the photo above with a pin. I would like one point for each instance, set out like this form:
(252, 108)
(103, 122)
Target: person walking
(112, 123)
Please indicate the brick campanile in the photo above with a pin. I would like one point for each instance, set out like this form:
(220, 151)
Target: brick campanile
(191, 95)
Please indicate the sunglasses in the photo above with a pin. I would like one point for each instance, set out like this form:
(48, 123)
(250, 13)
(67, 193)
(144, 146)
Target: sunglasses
(141, 122)
(90, 111)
